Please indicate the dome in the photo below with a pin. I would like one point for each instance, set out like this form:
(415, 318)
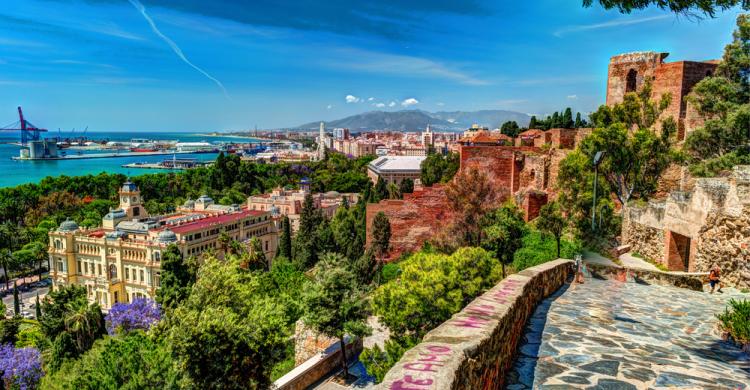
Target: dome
(68, 226)
(205, 199)
(167, 235)
(128, 186)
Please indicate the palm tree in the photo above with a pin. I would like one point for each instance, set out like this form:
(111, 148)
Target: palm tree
(84, 322)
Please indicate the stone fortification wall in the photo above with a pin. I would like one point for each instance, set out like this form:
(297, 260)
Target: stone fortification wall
(414, 220)
(476, 347)
(724, 241)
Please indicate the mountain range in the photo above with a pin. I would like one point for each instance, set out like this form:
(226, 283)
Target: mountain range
(410, 120)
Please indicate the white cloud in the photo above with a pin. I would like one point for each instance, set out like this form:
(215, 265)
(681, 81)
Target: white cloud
(330, 106)
(572, 97)
(610, 24)
(392, 104)
(409, 102)
(379, 105)
(400, 65)
(440, 104)
(370, 99)
(352, 99)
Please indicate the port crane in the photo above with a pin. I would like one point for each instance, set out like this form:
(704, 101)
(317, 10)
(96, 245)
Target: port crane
(29, 132)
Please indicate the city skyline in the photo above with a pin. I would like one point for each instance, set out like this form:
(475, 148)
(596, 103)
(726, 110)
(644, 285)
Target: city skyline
(164, 65)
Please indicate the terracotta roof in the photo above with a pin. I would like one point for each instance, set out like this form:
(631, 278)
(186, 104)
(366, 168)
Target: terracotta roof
(484, 137)
(214, 221)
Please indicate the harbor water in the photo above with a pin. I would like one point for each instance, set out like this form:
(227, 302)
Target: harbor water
(15, 172)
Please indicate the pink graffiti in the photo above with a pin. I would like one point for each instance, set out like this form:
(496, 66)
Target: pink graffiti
(400, 384)
(481, 310)
(469, 322)
(424, 367)
(438, 349)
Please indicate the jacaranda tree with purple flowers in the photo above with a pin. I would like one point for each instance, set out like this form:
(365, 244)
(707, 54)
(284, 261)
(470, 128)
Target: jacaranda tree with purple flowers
(139, 314)
(20, 368)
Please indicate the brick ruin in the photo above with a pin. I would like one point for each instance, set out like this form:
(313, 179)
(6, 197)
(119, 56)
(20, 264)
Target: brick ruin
(526, 174)
(629, 72)
(692, 231)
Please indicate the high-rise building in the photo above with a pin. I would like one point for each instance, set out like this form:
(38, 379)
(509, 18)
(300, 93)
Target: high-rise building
(427, 138)
(322, 141)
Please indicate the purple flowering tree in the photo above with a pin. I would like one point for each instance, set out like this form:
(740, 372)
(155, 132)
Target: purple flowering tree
(20, 368)
(139, 314)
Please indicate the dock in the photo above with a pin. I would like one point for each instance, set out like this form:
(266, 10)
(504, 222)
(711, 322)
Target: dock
(171, 164)
(105, 155)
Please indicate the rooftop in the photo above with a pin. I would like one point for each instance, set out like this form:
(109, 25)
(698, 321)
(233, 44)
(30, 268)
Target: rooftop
(397, 163)
(214, 221)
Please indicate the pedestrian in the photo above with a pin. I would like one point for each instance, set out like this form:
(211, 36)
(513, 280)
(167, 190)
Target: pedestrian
(579, 269)
(714, 278)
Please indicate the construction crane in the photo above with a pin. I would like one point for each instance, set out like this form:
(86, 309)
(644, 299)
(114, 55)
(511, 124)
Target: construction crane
(29, 132)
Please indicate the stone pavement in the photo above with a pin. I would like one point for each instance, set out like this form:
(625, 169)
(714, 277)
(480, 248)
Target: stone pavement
(606, 334)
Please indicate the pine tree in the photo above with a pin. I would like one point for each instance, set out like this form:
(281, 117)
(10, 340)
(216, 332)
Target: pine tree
(533, 124)
(305, 242)
(38, 307)
(554, 121)
(176, 278)
(567, 119)
(381, 235)
(578, 123)
(16, 300)
(381, 190)
(285, 240)
(406, 186)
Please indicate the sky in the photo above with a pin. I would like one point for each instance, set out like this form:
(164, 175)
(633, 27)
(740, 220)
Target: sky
(219, 65)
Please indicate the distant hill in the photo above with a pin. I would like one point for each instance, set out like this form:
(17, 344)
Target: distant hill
(409, 120)
(488, 118)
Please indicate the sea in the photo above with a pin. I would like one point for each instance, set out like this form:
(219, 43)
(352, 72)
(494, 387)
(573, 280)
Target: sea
(15, 172)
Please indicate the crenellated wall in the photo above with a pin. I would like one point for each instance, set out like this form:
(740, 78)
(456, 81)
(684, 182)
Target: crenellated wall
(476, 347)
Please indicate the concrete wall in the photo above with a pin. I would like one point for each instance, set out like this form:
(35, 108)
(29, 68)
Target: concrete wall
(317, 367)
(476, 347)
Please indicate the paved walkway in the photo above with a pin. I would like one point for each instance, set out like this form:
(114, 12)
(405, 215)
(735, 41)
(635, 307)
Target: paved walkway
(605, 334)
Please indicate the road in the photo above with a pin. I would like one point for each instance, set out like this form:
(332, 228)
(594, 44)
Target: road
(27, 299)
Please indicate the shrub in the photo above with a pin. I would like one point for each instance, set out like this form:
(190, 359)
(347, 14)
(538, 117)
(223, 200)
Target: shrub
(539, 248)
(736, 321)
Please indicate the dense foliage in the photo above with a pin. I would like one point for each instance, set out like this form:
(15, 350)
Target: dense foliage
(538, 248)
(503, 230)
(723, 102)
(438, 168)
(686, 7)
(563, 119)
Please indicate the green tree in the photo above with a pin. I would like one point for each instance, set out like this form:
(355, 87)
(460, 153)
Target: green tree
(344, 226)
(306, 245)
(722, 102)
(533, 122)
(406, 186)
(393, 191)
(256, 258)
(511, 128)
(503, 233)
(16, 300)
(227, 334)
(686, 7)
(579, 122)
(381, 190)
(135, 361)
(177, 277)
(38, 307)
(70, 323)
(285, 240)
(334, 305)
(381, 236)
(551, 221)
(567, 119)
(437, 168)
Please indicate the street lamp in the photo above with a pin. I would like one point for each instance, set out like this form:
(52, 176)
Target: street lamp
(597, 160)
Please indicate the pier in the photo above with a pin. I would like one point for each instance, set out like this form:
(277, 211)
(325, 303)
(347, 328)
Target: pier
(106, 155)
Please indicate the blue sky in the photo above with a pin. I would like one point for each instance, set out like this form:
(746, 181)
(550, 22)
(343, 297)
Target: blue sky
(279, 63)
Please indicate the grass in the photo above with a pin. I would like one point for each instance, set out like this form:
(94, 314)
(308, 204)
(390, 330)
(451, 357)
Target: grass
(540, 248)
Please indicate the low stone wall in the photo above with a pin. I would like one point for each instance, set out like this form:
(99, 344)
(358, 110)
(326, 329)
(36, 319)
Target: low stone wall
(317, 367)
(692, 281)
(476, 347)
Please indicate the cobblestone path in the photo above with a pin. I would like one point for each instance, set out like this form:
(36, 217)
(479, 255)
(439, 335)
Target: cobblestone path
(606, 334)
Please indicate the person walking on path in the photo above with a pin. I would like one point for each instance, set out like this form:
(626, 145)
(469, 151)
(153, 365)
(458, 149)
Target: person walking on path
(714, 278)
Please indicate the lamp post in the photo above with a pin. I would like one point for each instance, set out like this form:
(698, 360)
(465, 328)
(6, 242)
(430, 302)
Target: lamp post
(597, 160)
